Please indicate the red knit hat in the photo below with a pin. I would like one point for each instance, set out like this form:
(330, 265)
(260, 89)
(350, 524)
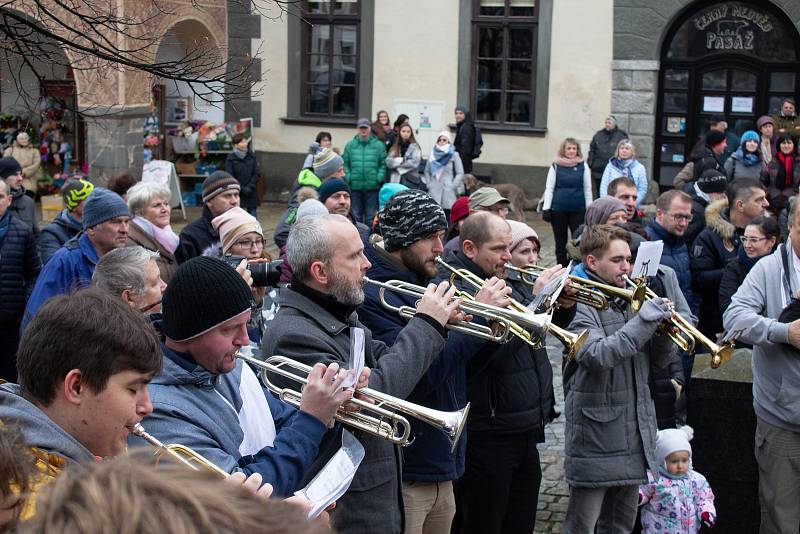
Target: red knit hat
(459, 209)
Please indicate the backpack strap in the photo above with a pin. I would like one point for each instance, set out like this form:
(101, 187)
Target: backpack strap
(787, 277)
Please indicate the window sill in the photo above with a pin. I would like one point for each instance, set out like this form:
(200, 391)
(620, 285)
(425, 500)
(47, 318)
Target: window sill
(322, 121)
(528, 131)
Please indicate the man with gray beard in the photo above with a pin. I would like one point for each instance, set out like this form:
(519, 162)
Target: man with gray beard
(314, 324)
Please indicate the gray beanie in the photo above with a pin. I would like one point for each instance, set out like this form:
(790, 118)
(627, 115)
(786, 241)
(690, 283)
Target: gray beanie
(409, 216)
(103, 205)
(601, 209)
(327, 162)
(310, 208)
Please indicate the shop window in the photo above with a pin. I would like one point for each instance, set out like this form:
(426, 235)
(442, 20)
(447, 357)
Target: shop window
(503, 80)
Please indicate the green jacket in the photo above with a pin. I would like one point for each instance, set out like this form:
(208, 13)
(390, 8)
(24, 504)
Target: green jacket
(365, 163)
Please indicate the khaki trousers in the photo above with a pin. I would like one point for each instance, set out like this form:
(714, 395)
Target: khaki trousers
(429, 507)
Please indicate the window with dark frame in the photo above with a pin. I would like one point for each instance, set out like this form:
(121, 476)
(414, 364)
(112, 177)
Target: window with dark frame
(330, 58)
(503, 77)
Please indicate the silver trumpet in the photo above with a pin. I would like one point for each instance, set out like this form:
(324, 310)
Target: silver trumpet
(510, 322)
(386, 423)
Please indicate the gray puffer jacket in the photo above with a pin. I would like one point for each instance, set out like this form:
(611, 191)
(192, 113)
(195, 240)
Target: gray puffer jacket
(611, 420)
(406, 170)
(306, 330)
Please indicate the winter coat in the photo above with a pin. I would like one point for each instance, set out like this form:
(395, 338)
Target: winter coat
(676, 256)
(684, 176)
(773, 178)
(374, 502)
(699, 203)
(364, 163)
(465, 141)
(53, 447)
(733, 276)
(766, 291)
(633, 170)
(601, 149)
(167, 264)
(19, 268)
(69, 269)
(29, 159)
(222, 418)
(711, 251)
(786, 124)
(510, 386)
(610, 435)
(735, 167)
(406, 171)
(673, 505)
(442, 387)
(245, 170)
(24, 208)
(568, 188)
(447, 188)
(705, 160)
(197, 237)
(54, 235)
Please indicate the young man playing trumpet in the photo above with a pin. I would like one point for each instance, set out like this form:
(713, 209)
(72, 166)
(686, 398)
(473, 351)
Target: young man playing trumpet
(611, 422)
(413, 225)
(510, 387)
(314, 324)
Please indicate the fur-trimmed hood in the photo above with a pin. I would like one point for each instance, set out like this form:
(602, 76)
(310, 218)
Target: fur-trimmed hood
(718, 219)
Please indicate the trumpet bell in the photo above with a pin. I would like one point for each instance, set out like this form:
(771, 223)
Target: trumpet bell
(722, 356)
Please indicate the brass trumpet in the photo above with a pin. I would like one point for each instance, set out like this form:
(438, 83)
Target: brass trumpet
(590, 292)
(181, 453)
(685, 335)
(572, 342)
(508, 320)
(387, 423)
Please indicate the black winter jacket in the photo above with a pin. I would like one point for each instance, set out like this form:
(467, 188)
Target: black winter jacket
(197, 237)
(705, 160)
(510, 386)
(602, 148)
(24, 208)
(55, 234)
(464, 142)
(698, 221)
(245, 170)
(19, 268)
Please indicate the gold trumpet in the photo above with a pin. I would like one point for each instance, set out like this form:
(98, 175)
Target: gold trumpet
(685, 335)
(590, 292)
(572, 342)
(387, 423)
(508, 320)
(181, 453)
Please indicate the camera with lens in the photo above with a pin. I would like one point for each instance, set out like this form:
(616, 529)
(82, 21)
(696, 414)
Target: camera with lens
(265, 274)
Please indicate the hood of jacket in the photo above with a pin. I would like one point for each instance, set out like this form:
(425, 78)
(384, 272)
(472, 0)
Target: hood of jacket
(655, 231)
(173, 374)
(17, 193)
(63, 219)
(718, 218)
(387, 267)
(39, 430)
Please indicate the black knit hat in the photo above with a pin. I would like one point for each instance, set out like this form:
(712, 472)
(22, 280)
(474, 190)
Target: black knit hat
(409, 216)
(9, 166)
(712, 181)
(714, 137)
(217, 183)
(203, 293)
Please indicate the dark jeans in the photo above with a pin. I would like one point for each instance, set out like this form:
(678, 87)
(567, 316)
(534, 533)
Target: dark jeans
(500, 486)
(561, 221)
(9, 341)
(364, 205)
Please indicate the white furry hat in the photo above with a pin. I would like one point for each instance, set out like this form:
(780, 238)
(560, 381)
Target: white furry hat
(673, 440)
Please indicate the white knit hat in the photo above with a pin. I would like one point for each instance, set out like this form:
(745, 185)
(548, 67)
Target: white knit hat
(520, 231)
(672, 440)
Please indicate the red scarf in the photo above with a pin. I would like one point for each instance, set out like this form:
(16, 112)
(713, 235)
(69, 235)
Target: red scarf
(788, 167)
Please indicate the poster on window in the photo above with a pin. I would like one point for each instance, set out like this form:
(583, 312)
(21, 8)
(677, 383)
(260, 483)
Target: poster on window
(676, 125)
(713, 104)
(742, 104)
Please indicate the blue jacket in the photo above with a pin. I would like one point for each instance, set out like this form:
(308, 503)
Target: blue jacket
(442, 387)
(19, 267)
(675, 255)
(70, 268)
(568, 193)
(202, 410)
(55, 234)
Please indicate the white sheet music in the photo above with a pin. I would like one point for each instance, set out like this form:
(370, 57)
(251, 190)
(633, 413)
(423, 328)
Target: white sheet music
(356, 360)
(648, 258)
(334, 479)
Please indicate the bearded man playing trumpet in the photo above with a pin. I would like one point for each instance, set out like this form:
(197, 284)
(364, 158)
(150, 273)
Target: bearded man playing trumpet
(611, 422)
(510, 388)
(314, 323)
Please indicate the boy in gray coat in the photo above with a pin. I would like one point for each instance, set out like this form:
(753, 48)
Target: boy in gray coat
(611, 421)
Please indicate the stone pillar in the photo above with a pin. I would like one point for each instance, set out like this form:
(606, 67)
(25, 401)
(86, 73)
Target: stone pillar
(114, 143)
(633, 101)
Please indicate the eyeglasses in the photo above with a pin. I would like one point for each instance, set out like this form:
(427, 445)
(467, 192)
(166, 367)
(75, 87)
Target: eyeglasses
(752, 240)
(678, 217)
(250, 243)
(496, 209)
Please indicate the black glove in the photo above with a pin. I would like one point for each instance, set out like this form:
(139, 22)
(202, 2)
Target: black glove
(547, 216)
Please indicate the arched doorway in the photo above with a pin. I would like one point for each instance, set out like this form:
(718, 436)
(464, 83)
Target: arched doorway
(735, 60)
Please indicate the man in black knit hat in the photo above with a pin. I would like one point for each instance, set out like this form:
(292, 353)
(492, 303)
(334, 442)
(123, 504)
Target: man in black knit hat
(209, 400)
(220, 193)
(316, 322)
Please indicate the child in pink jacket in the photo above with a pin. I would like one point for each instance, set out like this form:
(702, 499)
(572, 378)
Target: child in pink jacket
(677, 499)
